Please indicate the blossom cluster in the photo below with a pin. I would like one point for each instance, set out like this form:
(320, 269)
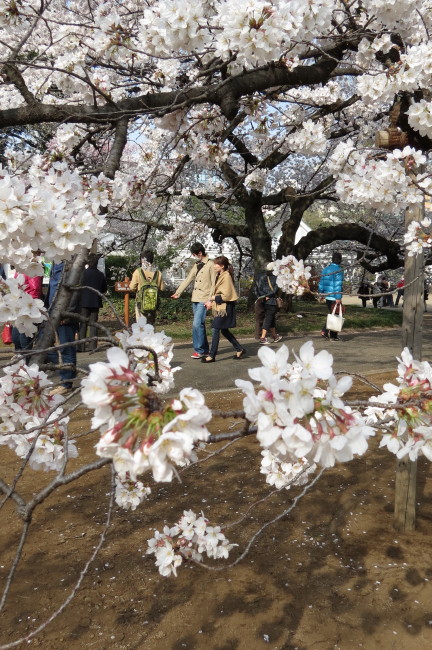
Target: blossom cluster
(139, 432)
(309, 140)
(189, 539)
(292, 276)
(409, 409)
(299, 412)
(411, 72)
(130, 494)
(282, 474)
(152, 352)
(18, 307)
(420, 117)
(418, 236)
(379, 183)
(26, 405)
(48, 208)
(256, 31)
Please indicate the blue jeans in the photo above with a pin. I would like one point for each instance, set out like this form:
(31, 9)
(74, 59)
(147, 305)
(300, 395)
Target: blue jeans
(199, 334)
(66, 334)
(21, 341)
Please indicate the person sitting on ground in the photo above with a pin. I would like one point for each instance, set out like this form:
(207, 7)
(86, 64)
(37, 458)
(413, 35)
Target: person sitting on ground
(222, 303)
(267, 293)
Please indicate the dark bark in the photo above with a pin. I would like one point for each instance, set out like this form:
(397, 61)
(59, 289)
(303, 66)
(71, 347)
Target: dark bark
(225, 94)
(299, 205)
(412, 326)
(259, 236)
(392, 251)
(63, 298)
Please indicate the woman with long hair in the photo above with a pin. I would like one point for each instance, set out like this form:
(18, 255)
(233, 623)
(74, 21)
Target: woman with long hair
(222, 304)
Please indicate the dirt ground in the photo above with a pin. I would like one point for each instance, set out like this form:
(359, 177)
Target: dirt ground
(333, 574)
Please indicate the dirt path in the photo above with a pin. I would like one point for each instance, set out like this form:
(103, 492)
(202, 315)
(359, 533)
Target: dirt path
(331, 575)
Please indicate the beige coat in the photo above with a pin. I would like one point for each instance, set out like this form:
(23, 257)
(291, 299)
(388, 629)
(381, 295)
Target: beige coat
(203, 281)
(224, 287)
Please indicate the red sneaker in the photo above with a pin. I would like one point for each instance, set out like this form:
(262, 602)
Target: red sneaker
(196, 355)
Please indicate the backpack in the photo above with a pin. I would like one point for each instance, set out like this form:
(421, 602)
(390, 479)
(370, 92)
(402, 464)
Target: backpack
(148, 295)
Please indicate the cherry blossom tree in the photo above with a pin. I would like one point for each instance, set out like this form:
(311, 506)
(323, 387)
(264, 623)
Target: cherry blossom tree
(131, 94)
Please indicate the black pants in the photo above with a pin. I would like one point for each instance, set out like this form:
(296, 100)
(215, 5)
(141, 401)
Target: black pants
(400, 294)
(21, 341)
(269, 317)
(92, 315)
(215, 341)
(259, 317)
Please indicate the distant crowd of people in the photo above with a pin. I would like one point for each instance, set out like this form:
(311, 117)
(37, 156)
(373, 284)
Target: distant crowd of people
(382, 291)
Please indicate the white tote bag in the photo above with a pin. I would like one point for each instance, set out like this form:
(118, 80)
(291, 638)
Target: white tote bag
(335, 321)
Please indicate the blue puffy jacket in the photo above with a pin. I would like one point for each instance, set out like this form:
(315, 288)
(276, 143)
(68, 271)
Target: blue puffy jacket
(331, 281)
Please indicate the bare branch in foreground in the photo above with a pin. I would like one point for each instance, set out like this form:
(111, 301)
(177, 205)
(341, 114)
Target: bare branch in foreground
(81, 577)
(263, 527)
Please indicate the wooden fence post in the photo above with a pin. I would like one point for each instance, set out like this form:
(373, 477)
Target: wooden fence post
(406, 470)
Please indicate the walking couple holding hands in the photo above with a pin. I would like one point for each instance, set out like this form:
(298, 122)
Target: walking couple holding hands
(213, 289)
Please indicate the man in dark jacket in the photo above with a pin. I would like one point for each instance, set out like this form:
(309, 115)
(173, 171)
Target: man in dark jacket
(91, 301)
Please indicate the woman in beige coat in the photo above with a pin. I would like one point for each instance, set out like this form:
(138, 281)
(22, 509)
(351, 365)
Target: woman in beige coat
(222, 304)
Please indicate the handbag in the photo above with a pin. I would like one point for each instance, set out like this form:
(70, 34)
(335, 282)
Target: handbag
(279, 300)
(7, 334)
(335, 320)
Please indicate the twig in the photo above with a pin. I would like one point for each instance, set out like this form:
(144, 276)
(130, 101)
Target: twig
(82, 575)
(360, 377)
(26, 526)
(267, 496)
(258, 533)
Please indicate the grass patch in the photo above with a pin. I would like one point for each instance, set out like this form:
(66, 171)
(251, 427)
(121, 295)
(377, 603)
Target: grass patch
(307, 317)
(313, 317)
(175, 317)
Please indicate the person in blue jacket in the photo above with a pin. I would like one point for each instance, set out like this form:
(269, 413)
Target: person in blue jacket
(330, 284)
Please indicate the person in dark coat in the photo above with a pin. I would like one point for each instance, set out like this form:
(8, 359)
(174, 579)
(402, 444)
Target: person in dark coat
(267, 290)
(90, 301)
(222, 304)
(66, 330)
(364, 290)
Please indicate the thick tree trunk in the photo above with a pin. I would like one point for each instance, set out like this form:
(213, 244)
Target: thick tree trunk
(258, 233)
(61, 304)
(406, 470)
